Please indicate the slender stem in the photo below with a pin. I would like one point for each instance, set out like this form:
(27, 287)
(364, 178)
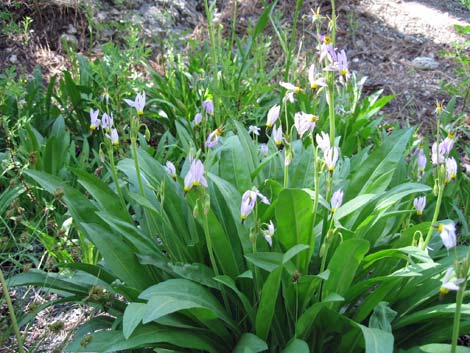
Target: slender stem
(333, 19)
(436, 214)
(234, 21)
(458, 311)
(298, 5)
(331, 107)
(11, 311)
(136, 163)
(114, 174)
(311, 240)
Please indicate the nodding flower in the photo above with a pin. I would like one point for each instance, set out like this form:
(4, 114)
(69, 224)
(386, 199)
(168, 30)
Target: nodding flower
(291, 90)
(448, 234)
(277, 135)
(208, 106)
(448, 143)
(138, 103)
(331, 156)
(269, 232)
(252, 129)
(170, 169)
(305, 122)
(338, 63)
(249, 201)
(315, 79)
(437, 153)
(448, 285)
(195, 175)
(336, 200)
(107, 122)
(422, 160)
(113, 136)
(213, 138)
(197, 119)
(94, 120)
(451, 169)
(419, 203)
(323, 141)
(273, 115)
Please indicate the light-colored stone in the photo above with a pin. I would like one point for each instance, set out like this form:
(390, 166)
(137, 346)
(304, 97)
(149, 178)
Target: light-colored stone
(13, 59)
(425, 63)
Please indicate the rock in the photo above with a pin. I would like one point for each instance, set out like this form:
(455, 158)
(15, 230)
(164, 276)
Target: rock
(13, 59)
(424, 63)
(71, 29)
(70, 39)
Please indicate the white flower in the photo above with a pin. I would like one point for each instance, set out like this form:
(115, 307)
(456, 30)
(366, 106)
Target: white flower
(435, 156)
(447, 285)
(277, 135)
(138, 103)
(448, 235)
(451, 169)
(291, 90)
(422, 160)
(249, 201)
(331, 157)
(264, 149)
(323, 141)
(304, 122)
(252, 129)
(269, 232)
(170, 169)
(273, 115)
(315, 79)
(419, 203)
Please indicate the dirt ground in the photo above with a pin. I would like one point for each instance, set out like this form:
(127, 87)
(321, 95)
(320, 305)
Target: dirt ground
(383, 38)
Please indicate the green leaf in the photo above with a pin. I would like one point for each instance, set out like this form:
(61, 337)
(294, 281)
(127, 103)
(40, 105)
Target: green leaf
(343, 266)
(382, 317)
(232, 168)
(181, 294)
(436, 348)
(294, 218)
(143, 336)
(434, 312)
(230, 283)
(133, 316)
(380, 162)
(296, 346)
(120, 258)
(377, 341)
(249, 342)
(353, 205)
(267, 305)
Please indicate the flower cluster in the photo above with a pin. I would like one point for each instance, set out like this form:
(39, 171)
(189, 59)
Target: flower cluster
(107, 124)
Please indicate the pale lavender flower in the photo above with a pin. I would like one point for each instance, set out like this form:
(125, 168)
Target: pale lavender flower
(195, 175)
(277, 135)
(273, 115)
(94, 120)
(213, 138)
(339, 63)
(138, 103)
(113, 136)
(422, 160)
(323, 141)
(249, 201)
(331, 156)
(170, 169)
(437, 154)
(208, 106)
(448, 234)
(451, 169)
(252, 129)
(264, 149)
(419, 203)
(336, 200)
(197, 119)
(304, 122)
(269, 232)
(106, 122)
(448, 285)
(325, 46)
(448, 144)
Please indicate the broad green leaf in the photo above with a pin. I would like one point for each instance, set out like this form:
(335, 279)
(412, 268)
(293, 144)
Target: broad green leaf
(343, 266)
(232, 168)
(251, 343)
(188, 294)
(380, 162)
(296, 346)
(120, 258)
(403, 253)
(398, 192)
(353, 205)
(377, 341)
(143, 336)
(267, 305)
(436, 348)
(230, 283)
(294, 218)
(133, 316)
(269, 261)
(382, 317)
